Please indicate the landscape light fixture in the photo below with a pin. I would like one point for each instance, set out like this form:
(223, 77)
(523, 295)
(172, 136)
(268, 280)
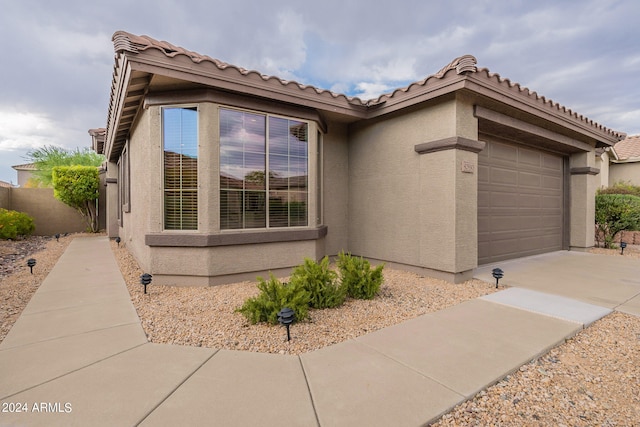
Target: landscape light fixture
(286, 317)
(497, 274)
(145, 279)
(622, 246)
(57, 236)
(31, 262)
(118, 240)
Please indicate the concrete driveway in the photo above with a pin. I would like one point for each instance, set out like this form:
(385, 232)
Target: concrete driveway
(608, 281)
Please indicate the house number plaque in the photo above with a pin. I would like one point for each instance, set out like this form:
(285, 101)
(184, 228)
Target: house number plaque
(467, 167)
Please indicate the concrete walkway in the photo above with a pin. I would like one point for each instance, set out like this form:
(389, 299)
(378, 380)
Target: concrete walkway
(604, 280)
(78, 354)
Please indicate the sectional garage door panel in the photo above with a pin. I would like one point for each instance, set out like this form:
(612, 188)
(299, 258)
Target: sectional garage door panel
(520, 202)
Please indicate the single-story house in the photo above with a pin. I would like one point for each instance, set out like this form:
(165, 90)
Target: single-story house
(621, 163)
(216, 173)
(25, 173)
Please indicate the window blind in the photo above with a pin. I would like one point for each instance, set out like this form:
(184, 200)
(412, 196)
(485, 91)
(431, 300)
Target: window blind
(180, 139)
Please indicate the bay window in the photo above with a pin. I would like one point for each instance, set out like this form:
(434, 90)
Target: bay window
(264, 170)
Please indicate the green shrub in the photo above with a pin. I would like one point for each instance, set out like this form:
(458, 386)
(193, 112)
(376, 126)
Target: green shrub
(15, 224)
(320, 282)
(615, 213)
(78, 187)
(621, 187)
(357, 276)
(274, 296)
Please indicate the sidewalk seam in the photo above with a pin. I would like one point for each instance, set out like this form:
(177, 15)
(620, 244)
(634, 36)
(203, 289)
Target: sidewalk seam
(306, 380)
(69, 307)
(176, 388)
(626, 301)
(540, 313)
(422, 374)
(74, 335)
(74, 370)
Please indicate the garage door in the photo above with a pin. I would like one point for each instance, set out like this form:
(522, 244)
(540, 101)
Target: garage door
(520, 202)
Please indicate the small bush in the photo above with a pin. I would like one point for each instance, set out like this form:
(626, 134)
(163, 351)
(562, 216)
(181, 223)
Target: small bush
(615, 213)
(621, 187)
(320, 282)
(274, 296)
(357, 276)
(15, 224)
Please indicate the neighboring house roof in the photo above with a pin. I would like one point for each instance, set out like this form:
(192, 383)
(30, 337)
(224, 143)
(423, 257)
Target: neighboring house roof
(627, 150)
(6, 184)
(97, 139)
(25, 167)
(142, 61)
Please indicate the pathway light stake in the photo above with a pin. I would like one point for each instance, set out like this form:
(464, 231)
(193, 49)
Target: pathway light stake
(622, 246)
(145, 279)
(31, 262)
(118, 240)
(286, 317)
(57, 236)
(498, 274)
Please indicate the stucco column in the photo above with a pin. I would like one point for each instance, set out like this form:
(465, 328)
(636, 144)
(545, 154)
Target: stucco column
(583, 185)
(449, 208)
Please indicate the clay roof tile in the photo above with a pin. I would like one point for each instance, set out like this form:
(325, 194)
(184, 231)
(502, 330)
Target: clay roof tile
(628, 148)
(465, 64)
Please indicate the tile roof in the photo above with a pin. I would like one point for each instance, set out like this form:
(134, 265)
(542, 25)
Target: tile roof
(464, 65)
(25, 167)
(628, 148)
(6, 184)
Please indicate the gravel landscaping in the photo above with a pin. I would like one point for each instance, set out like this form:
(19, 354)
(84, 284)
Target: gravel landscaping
(206, 317)
(591, 379)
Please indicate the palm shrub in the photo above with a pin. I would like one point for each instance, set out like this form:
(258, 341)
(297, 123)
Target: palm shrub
(15, 224)
(320, 282)
(616, 213)
(274, 296)
(356, 275)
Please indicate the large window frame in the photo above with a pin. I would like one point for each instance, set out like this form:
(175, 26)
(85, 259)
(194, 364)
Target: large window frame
(264, 170)
(180, 151)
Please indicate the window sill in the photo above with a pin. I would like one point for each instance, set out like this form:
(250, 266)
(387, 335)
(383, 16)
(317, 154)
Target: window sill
(232, 239)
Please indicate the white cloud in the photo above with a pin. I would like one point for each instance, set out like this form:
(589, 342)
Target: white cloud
(367, 91)
(276, 47)
(25, 131)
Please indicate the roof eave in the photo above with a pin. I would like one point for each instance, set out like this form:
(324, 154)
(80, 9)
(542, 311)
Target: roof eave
(522, 99)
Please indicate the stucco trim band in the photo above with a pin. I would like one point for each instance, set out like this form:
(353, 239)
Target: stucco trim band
(231, 239)
(452, 143)
(586, 170)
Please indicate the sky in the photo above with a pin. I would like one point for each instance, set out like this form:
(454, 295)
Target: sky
(57, 56)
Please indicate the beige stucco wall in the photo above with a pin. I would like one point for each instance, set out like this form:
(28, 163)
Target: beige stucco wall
(336, 188)
(410, 208)
(145, 176)
(5, 197)
(50, 215)
(582, 201)
(625, 172)
(448, 212)
(24, 176)
(224, 264)
(602, 163)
